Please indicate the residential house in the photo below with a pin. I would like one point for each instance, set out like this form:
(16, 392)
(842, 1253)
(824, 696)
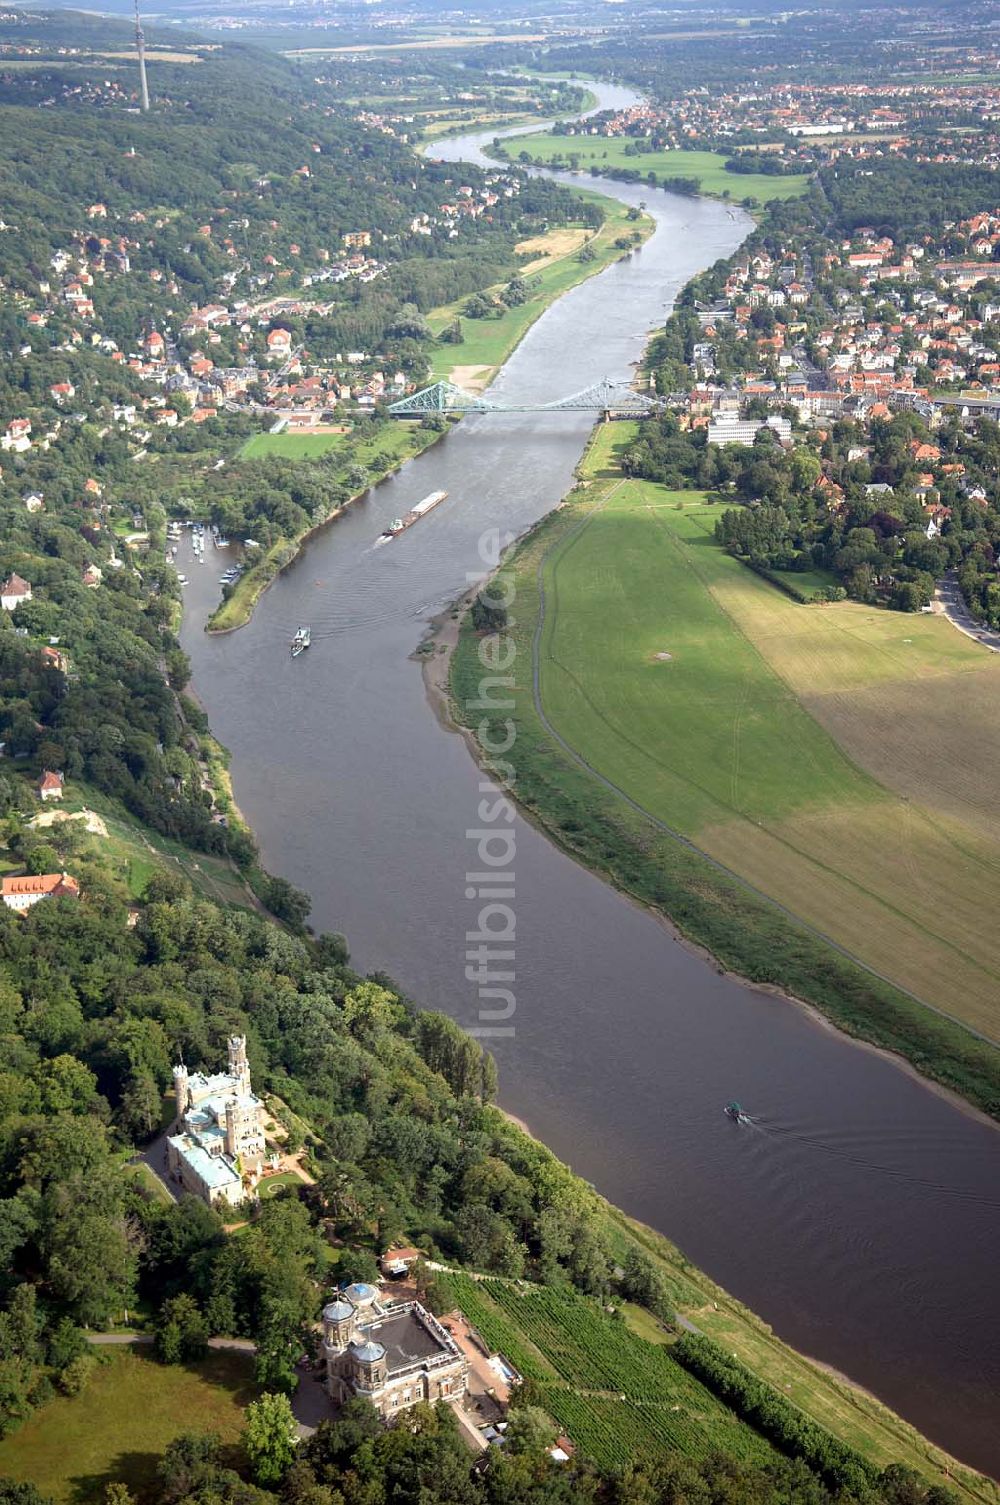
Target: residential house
(20, 894)
(50, 786)
(13, 591)
(17, 437)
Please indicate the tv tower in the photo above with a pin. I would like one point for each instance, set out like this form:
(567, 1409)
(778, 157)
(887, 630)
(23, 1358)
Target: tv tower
(140, 42)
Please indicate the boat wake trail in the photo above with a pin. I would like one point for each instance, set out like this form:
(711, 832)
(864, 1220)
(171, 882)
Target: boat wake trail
(845, 1154)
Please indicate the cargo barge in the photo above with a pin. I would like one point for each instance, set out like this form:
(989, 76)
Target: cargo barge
(401, 524)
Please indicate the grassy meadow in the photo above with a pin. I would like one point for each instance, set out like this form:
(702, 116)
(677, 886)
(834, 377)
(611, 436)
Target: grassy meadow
(737, 740)
(834, 759)
(608, 153)
(291, 446)
(117, 1429)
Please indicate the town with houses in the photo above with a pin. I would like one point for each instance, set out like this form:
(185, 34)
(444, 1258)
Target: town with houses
(272, 371)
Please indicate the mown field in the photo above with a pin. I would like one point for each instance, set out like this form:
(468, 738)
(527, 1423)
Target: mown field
(834, 758)
(291, 446)
(607, 152)
(737, 739)
(118, 1428)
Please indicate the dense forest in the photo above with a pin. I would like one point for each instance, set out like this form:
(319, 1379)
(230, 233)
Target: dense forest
(906, 199)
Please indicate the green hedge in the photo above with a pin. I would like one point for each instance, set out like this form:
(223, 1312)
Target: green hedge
(840, 1466)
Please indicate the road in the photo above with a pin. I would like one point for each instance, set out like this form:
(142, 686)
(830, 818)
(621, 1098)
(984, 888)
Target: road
(948, 602)
(155, 1156)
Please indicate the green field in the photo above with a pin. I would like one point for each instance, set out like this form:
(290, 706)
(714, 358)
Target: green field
(608, 153)
(782, 741)
(488, 342)
(292, 446)
(716, 740)
(118, 1428)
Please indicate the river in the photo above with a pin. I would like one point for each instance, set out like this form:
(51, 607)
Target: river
(861, 1215)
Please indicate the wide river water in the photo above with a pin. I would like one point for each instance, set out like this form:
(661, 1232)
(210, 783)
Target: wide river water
(860, 1216)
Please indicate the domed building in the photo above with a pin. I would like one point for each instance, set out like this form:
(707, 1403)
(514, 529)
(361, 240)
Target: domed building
(394, 1356)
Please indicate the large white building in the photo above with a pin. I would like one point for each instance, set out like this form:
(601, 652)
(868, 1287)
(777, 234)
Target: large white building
(20, 894)
(395, 1356)
(730, 428)
(217, 1150)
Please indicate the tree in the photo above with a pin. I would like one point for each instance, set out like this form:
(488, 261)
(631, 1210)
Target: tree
(642, 1282)
(181, 1331)
(117, 1493)
(43, 859)
(530, 1431)
(190, 1461)
(270, 1438)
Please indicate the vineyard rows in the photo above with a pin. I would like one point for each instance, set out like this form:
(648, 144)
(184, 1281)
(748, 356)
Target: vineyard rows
(590, 1349)
(498, 1331)
(615, 1433)
(655, 1406)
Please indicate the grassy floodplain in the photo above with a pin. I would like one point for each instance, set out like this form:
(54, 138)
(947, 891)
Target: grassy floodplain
(607, 153)
(119, 1427)
(553, 269)
(834, 759)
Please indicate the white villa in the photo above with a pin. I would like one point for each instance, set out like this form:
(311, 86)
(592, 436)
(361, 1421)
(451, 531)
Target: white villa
(395, 1356)
(217, 1149)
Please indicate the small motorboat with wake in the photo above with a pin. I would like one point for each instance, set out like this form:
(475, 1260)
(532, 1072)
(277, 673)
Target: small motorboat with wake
(736, 1113)
(301, 641)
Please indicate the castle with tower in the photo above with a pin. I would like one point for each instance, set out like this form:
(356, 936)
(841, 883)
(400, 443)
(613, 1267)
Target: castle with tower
(394, 1356)
(217, 1148)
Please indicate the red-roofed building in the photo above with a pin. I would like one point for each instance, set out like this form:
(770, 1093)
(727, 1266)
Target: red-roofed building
(21, 893)
(13, 591)
(279, 343)
(50, 785)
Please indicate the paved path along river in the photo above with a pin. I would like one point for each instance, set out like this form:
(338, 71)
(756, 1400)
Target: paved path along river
(861, 1214)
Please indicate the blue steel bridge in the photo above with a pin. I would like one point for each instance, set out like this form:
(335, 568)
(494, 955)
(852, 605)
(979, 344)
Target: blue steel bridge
(614, 399)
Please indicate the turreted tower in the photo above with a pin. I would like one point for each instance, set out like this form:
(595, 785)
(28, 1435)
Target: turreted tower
(239, 1066)
(369, 1366)
(338, 1325)
(181, 1088)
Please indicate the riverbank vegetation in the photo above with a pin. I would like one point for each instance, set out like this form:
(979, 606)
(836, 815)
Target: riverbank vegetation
(335, 469)
(701, 713)
(475, 344)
